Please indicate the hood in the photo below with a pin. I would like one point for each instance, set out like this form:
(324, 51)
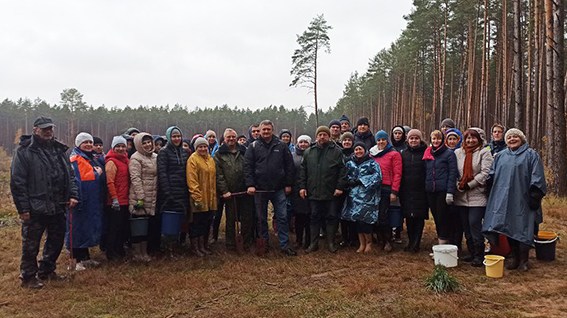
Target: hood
(225, 149)
(113, 155)
(138, 143)
(401, 142)
(456, 131)
(285, 131)
(168, 134)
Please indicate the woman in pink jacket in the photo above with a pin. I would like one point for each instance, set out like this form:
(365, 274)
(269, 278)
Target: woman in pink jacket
(390, 162)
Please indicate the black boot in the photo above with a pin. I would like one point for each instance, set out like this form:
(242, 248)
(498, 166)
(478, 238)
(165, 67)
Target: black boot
(32, 283)
(478, 255)
(515, 261)
(314, 244)
(331, 233)
(524, 254)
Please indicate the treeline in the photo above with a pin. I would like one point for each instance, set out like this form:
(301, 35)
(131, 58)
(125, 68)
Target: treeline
(72, 115)
(479, 62)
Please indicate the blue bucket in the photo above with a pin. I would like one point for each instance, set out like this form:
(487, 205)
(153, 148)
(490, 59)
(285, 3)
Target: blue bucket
(171, 222)
(139, 226)
(395, 216)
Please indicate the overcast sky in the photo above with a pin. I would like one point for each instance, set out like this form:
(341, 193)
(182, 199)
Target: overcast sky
(196, 53)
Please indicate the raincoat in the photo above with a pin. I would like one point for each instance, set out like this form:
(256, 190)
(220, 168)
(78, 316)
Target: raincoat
(516, 176)
(202, 182)
(87, 215)
(363, 199)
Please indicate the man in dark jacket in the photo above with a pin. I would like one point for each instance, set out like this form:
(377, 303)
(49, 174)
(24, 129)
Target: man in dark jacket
(229, 162)
(345, 124)
(43, 186)
(363, 133)
(335, 128)
(253, 134)
(269, 169)
(322, 180)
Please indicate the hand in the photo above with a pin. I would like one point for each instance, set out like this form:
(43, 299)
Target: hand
(449, 199)
(287, 190)
(393, 197)
(251, 190)
(139, 205)
(198, 204)
(354, 183)
(98, 170)
(227, 195)
(303, 193)
(338, 193)
(25, 216)
(73, 203)
(115, 204)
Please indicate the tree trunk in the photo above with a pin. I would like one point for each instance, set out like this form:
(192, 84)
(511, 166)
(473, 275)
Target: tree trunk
(519, 110)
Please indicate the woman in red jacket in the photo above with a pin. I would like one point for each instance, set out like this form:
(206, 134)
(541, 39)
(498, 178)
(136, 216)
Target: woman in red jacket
(390, 162)
(118, 182)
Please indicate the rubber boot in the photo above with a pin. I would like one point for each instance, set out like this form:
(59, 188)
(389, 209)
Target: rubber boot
(478, 255)
(524, 253)
(515, 261)
(387, 237)
(202, 248)
(362, 240)
(195, 247)
(368, 247)
(314, 246)
(331, 233)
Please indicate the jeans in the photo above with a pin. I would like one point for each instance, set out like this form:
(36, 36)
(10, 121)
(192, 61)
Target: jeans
(471, 218)
(279, 201)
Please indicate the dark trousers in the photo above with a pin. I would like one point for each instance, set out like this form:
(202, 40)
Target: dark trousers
(117, 233)
(349, 231)
(201, 224)
(471, 218)
(243, 206)
(217, 218)
(383, 225)
(81, 254)
(32, 231)
(323, 210)
(302, 229)
(415, 232)
(154, 233)
(444, 220)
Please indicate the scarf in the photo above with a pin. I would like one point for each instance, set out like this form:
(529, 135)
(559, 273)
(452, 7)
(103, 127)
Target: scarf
(468, 174)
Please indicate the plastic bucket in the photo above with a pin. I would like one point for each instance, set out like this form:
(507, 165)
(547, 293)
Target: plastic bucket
(446, 255)
(171, 222)
(494, 265)
(503, 248)
(545, 245)
(139, 226)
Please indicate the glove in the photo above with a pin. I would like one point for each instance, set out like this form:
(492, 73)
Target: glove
(139, 205)
(115, 204)
(198, 204)
(536, 195)
(354, 183)
(449, 199)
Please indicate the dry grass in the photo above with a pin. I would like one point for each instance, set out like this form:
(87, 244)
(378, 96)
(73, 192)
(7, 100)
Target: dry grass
(320, 285)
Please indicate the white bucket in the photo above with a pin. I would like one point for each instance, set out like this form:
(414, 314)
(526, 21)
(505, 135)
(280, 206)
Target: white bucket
(446, 255)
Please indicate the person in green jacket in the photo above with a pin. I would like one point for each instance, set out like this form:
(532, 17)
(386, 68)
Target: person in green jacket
(322, 180)
(229, 160)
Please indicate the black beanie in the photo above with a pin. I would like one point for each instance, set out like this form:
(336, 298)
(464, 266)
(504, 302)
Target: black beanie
(285, 131)
(363, 121)
(334, 122)
(344, 118)
(97, 140)
(360, 144)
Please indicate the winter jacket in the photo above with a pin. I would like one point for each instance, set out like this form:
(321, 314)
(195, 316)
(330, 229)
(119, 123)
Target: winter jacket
(213, 149)
(42, 181)
(322, 171)
(413, 196)
(268, 166)
(143, 178)
(441, 174)
(364, 198)
(390, 163)
(202, 182)
(496, 146)
(87, 215)
(398, 145)
(514, 204)
(229, 165)
(117, 177)
(481, 162)
(172, 176)
(367, 138)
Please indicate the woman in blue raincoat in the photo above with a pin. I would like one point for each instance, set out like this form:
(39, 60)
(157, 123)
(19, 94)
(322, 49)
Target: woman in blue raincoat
(87, 215)
(514, 206)
(364, 177)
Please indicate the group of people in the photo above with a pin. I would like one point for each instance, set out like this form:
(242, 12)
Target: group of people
(366, 183)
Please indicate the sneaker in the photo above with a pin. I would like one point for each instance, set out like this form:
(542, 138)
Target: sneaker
(289, 252)
(91, 263)
(51, 277)
(80, 267)
(32, 283)
(398, 241)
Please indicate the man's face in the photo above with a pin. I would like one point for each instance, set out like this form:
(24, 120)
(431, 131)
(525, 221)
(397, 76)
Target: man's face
(242, 141)
(266, 131)
(97, 148)
(45, 134)
(230, 139)
(255, 132)
(335, 131)
(362, 128)
(323, 138)
(212, 139)
(497, 133)
(345, 126)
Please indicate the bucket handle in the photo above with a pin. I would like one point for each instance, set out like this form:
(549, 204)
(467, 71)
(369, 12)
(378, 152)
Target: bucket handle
(495, 262)
(447, 253)
(547, 242)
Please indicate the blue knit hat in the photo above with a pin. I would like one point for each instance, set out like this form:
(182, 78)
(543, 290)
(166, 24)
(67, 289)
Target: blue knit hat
(381, 135)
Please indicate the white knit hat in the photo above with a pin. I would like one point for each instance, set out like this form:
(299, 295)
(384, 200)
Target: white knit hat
(304, 137)
(118, 140)
(200, 141)
(210, 133)
(517, 132)
(82, 137)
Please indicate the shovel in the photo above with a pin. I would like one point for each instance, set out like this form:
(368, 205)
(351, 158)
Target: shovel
(72, 260)
(238, 239)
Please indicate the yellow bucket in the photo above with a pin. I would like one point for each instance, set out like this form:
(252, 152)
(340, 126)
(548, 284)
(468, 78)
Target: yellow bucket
(494, 265)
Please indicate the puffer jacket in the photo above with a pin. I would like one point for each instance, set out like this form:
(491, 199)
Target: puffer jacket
(172, 176)
(230, 177)
(117, 177)
(143, 178)
(268, 166)
(31, 180)
(367, 138)
(322, 171)
(481, 163)
(390, 163)
(413, 197)
(442, 170)
(202, 182)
